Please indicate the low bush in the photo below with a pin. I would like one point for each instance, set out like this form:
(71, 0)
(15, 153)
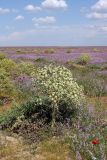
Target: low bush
(50, 50)
(69, 50)
(83, 59)
(41, 60)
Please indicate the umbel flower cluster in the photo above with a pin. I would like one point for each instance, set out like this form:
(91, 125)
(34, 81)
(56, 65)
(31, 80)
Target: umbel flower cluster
(59, 84)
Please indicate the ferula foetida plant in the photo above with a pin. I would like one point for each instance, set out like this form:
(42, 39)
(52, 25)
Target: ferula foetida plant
(58, 84)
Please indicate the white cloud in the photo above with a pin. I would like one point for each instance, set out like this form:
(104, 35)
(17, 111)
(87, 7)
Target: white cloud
(19, 17)
(54, 4)
(47, 4)
(32, 8)
(7, 10)
(98, 10)
(4, 10)
(100, 5)
(96, 15)
(44, 20)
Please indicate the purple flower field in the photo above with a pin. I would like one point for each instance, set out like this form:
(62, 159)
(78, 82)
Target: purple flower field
(97, 54)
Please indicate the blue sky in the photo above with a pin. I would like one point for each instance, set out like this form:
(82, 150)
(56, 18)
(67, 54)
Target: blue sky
(53, 22)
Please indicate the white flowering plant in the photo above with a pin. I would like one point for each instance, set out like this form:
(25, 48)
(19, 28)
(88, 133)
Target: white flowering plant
(58, 84)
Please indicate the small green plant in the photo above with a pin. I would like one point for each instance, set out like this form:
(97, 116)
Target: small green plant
(95, 50)
(83, 59)
(8, 65)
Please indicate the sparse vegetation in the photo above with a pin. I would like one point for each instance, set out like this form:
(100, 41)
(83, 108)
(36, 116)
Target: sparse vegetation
(51, 110)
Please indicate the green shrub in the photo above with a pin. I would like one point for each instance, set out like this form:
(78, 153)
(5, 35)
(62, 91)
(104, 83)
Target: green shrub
(26, 68)
(2, 56)
(38, 108)
(7, 88)
(8, 64)
(9, 117)
(83, 59)
(26, 110)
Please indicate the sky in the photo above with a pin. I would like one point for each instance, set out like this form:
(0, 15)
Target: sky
(53, 22)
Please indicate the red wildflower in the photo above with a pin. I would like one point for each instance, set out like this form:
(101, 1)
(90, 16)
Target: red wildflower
(95, 141)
